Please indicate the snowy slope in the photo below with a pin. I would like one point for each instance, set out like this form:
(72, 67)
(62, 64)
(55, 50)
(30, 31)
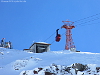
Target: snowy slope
(16, 62)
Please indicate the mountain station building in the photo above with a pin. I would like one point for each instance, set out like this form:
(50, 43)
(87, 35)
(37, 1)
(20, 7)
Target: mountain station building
(39, 47)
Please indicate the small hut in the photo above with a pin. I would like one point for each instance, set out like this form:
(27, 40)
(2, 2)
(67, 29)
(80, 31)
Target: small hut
(39, 47)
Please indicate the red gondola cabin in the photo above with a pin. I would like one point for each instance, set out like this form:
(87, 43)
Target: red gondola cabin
(58, 37)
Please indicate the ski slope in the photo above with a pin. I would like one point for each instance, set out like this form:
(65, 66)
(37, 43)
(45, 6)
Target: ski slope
(16, 62)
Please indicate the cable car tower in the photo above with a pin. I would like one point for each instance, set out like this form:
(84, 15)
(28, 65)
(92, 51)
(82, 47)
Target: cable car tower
(68, 25)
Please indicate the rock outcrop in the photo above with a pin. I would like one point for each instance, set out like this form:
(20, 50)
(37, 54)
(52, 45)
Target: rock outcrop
(74, 69)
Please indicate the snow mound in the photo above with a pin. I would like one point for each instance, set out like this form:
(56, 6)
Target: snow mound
(15, 62)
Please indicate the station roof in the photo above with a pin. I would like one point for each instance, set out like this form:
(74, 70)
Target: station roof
(43, 43)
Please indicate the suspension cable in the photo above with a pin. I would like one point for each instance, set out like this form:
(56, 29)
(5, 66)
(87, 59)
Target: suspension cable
(88, 21)
(87, 17)
(80, 20)
(61, 35)
(50, 36)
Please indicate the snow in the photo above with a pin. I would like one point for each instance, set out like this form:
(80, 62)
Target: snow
(16, 62)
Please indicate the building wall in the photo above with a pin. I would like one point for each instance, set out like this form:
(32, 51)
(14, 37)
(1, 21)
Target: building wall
(39, 48)
(33, 48)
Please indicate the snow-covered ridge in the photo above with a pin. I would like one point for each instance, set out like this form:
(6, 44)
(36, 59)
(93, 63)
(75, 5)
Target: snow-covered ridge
(15, 62)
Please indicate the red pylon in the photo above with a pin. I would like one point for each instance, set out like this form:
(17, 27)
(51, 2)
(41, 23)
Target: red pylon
(68, 25)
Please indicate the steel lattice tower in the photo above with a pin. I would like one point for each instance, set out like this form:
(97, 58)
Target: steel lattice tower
(68, 25)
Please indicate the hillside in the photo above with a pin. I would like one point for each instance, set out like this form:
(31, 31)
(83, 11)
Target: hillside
(18, 62)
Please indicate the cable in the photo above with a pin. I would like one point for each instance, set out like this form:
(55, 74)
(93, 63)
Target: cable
(80, 20)
(52, 42)
(49, 36)
(65, 32)
(87, 21)
(91, 23)
(87, 17)
(61, 35)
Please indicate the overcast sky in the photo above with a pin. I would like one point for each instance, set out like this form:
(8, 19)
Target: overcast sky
(30, 21)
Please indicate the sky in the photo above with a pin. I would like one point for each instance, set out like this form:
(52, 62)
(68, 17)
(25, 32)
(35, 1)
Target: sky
(29, 21)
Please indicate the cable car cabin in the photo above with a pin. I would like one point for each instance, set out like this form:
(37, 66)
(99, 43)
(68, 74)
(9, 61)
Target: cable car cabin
(58, 37)
(39, 47)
